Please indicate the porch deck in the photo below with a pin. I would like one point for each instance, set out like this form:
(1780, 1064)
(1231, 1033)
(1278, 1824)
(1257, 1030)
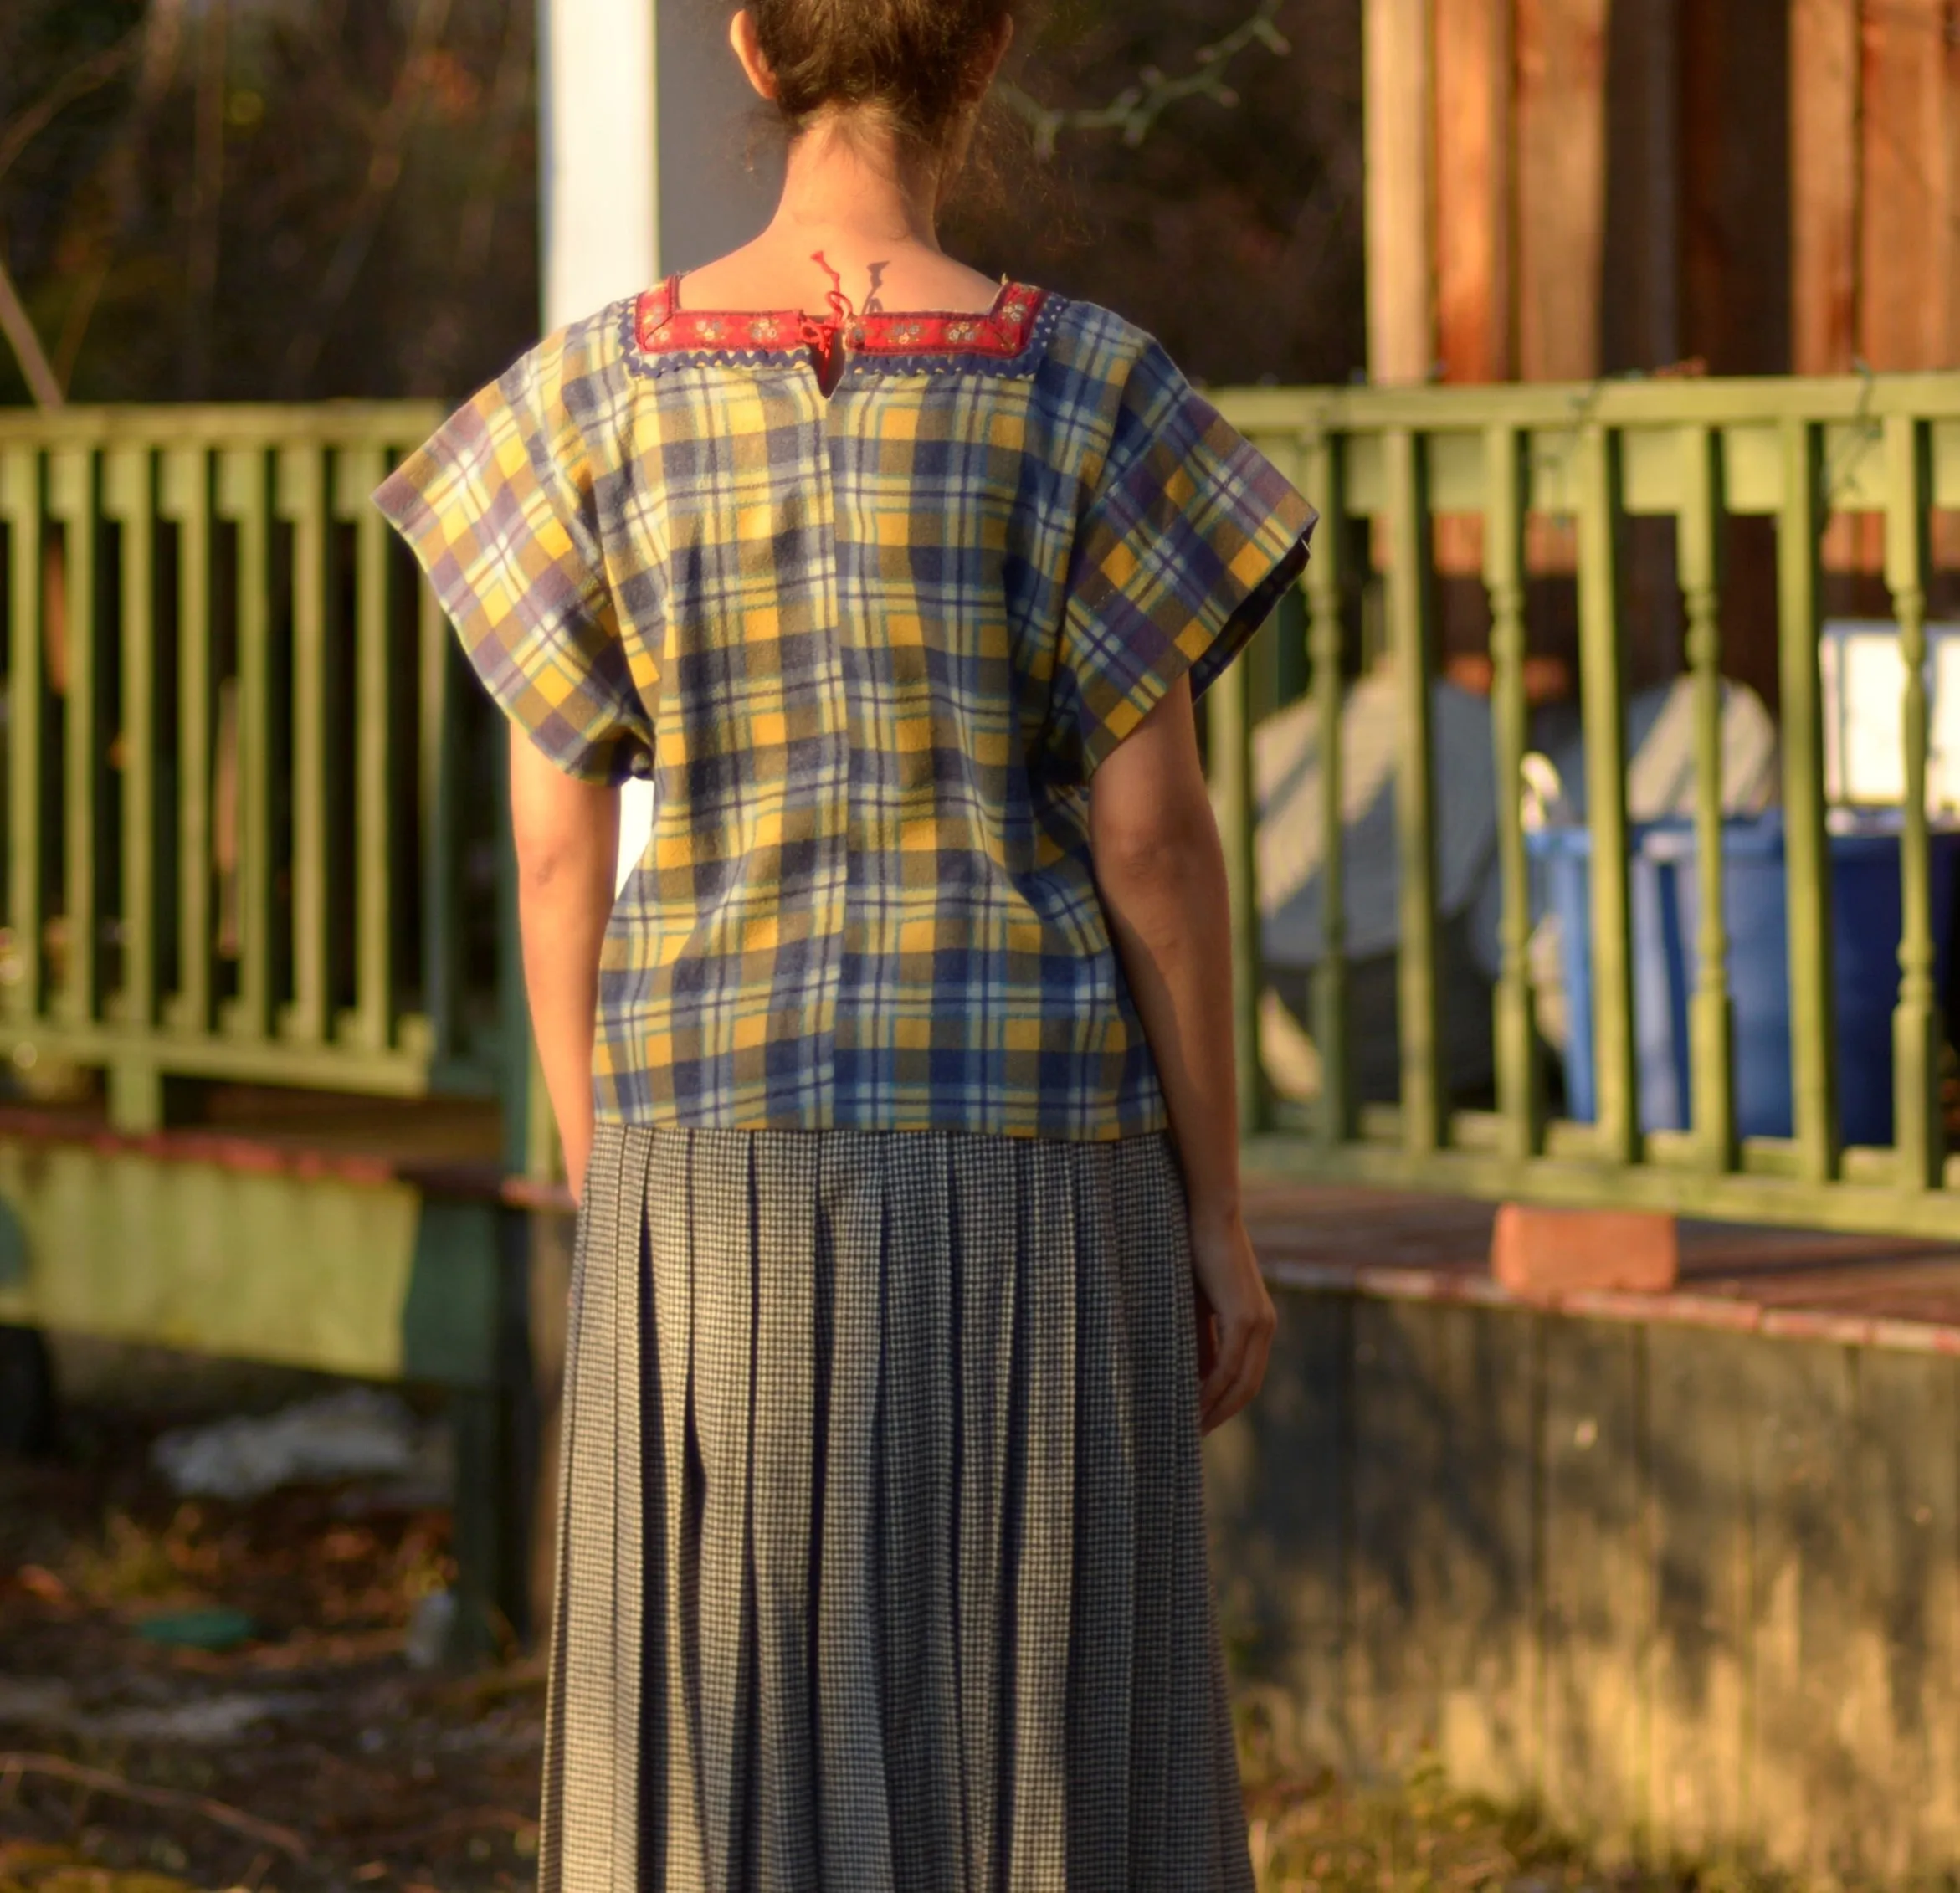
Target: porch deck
(1859, 1290)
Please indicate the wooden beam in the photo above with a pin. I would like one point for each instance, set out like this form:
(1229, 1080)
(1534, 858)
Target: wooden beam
(1400, 140)
(1476, 333)
(1825, 184)
(1562, 186)
(1906, 224)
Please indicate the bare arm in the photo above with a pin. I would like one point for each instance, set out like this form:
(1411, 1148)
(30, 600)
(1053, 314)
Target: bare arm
(1161, 873)
(567, 838)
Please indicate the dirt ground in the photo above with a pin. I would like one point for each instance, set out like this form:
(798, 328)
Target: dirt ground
(314, 1756)
(311, 1756)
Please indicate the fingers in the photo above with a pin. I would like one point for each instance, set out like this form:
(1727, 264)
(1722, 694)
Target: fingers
(1244, 1345)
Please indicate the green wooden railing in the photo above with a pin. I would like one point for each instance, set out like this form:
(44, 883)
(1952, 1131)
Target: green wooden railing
(243, 800)
(1694, 453)
(250, 828)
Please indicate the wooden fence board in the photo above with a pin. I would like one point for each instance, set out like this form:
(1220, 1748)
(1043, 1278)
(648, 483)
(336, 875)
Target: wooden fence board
(1806, 1722)
(1824, 183)
(1397, 48)
(1474, 66)
(1481, 1574)
(1599, 1589)
(1401, 1444)
(1278, 1488)
(1905, 222)
(1698, 1472)
(1561, 186)
(1903, 1491)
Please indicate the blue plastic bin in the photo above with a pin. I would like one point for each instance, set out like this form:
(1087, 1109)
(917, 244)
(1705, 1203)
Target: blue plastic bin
(1664, 899)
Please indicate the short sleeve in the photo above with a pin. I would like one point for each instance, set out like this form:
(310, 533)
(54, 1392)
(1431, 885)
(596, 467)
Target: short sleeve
(1188, 539)
(498, 509)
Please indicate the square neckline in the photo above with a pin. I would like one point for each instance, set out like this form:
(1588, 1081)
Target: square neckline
(662, 327)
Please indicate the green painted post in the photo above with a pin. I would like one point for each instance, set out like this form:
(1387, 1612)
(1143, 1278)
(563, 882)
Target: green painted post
(1520, 1092)
(74, 501)
(1603, 694)
(1918, 1028)
(362, 470)
(1322, 470)
(1812, 1036)
(440, 757)
(303, 504)
(186, 500)
(1411, 623)
(129, 500)
(1712, 1029)
(244, 481)
(20, 969)
(1228, 706)
(135, 1087)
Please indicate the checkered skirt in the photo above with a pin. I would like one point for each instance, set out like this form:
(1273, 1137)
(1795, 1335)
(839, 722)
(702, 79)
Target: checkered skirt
(882, 1563)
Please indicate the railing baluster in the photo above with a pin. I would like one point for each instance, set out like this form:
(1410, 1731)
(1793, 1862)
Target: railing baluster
(1700, 576)
(1918, 1028)
(1230, 730)
(1602, 699)
(1322, 466)
(1410, 632)
(1813, 1035)
(441, 947)
(244, 479)
(187, 499)
(136, 1084)
(73, 501)
(1520, 1094)
(303, 501)
(20, 497)
(362, 470)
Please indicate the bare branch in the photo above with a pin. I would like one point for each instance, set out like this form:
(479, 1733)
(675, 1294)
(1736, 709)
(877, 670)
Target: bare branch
(1136, 110)
(89, 76)
(17, 326)
(207, 198)
(99, 1780)
(384, 172)
(122, 178)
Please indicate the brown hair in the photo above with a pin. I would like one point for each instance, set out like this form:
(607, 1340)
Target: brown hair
(915, 62)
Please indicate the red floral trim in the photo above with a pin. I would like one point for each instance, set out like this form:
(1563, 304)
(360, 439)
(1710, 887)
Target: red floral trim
(1001, 333)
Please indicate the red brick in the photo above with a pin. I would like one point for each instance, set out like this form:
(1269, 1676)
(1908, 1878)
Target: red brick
(1538, 1254)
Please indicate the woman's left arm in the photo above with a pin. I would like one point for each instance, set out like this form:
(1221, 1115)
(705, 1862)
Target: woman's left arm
(567, 838)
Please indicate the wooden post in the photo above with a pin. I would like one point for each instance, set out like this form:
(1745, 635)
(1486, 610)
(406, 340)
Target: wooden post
(1562, 186)
(1399, 132)
(1825, 184)
(1476, 58)
(1905, 239)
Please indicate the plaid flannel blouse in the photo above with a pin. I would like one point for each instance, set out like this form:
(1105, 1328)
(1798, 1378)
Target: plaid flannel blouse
(870, 647)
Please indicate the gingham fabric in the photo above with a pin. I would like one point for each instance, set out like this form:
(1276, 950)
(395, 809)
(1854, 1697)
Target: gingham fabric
(882, 1561)
(871, 647)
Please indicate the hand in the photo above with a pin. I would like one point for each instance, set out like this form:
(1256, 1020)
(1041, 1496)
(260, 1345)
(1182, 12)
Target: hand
(1236, 1319)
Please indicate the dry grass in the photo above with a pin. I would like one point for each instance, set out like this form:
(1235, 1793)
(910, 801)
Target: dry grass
(1313, 1833)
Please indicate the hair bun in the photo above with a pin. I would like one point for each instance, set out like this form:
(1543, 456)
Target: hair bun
(916, 61)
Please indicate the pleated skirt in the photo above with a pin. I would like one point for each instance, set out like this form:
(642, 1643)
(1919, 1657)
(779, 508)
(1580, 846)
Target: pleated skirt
(882, 1560)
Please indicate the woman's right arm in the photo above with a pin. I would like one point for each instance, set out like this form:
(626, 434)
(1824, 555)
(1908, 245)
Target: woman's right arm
(1162, 874)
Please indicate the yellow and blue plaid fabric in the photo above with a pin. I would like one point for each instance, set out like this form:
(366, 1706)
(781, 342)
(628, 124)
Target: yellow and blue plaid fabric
(870, 646)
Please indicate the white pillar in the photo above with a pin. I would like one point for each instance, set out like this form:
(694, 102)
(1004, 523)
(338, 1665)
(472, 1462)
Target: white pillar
(647, 122)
